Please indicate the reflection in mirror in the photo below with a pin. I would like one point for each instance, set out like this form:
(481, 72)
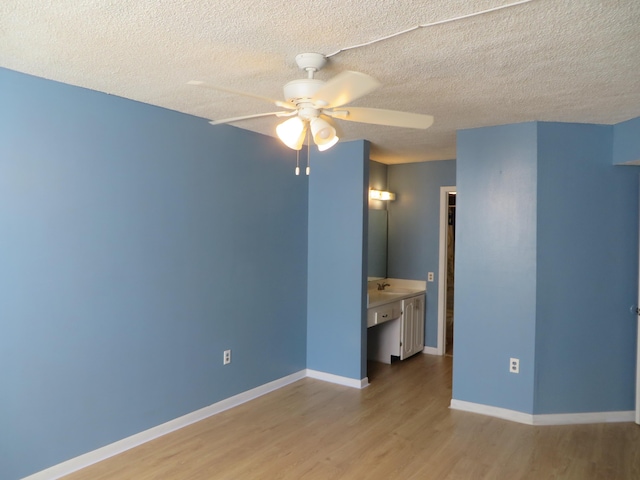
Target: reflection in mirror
(377, 254)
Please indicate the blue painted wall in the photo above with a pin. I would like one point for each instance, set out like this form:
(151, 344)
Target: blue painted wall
(626, 142)
(587, 272)
(336, 311)
(136, 245)
(414, 224)
(495, 297)
(546, 269)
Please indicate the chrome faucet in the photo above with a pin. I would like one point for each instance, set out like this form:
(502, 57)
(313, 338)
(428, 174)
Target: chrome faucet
(382, 285)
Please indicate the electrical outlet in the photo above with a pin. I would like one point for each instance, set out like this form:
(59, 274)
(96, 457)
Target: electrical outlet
(430, 277)
(226, 357)
(514, 365)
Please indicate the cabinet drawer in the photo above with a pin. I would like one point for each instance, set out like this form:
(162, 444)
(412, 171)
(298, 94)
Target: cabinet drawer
(383, 313)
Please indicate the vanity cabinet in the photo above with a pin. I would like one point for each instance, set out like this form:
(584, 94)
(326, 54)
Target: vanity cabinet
(396, 329)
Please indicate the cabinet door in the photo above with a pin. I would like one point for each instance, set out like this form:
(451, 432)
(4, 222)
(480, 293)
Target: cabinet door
(419, 309)
(412, 332)
(408, 328)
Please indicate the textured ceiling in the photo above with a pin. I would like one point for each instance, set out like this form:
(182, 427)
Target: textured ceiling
(549, 60)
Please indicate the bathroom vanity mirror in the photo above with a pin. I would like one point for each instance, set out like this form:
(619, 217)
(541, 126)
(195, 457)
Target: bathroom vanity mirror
(377, 254)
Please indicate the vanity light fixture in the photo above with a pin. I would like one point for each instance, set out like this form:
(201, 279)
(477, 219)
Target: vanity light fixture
(381, 195)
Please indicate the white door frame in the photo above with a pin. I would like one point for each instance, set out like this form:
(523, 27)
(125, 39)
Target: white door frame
(442, 268)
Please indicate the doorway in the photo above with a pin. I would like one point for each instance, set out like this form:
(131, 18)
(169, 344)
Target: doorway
(446, 278)
(449, 284)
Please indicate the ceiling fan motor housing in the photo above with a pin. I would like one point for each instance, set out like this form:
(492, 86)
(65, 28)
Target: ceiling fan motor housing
(301, 90)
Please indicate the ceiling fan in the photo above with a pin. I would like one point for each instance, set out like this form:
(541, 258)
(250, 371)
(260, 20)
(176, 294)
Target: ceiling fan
(312, 104)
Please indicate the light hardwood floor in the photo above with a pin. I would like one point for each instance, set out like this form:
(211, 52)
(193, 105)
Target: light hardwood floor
(400, 427)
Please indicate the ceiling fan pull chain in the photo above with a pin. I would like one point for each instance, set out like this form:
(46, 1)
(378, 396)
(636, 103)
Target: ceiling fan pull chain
(297, 162)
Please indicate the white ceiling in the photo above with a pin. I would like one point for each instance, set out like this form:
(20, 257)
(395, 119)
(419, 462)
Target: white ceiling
(548, 60)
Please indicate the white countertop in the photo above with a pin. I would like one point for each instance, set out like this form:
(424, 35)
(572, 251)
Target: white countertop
(398, 289)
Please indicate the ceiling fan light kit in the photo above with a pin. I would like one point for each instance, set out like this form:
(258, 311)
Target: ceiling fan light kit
(291, 132)
(328, 145)
(322, 131)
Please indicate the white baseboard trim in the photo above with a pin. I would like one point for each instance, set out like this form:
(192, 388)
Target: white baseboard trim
(337, 379)
(497, 412)
(431, 351)
(543, 419)
(95, 456)
(580, 418)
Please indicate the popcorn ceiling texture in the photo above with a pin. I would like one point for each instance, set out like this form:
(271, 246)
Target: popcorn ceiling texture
(548, 60)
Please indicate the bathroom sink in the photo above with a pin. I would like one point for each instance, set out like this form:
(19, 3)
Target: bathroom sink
(380, 295)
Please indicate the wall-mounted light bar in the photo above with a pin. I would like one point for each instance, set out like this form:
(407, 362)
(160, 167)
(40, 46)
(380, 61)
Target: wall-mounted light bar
(381, 195)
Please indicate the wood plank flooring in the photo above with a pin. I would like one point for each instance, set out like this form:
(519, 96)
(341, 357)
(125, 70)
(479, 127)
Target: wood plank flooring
(400, 427)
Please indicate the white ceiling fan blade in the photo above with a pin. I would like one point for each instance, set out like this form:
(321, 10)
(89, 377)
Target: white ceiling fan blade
(279, 103)
(255, 115)
(380, 116)
(344, 88)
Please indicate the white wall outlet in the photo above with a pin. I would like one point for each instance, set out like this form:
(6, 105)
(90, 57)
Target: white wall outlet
(430, 277)
(514, 365)
(226, 359)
